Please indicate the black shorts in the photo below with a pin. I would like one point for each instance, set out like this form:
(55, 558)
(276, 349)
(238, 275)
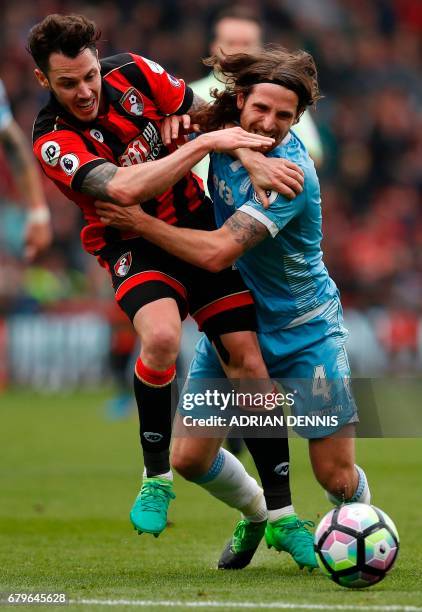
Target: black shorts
(142, 273)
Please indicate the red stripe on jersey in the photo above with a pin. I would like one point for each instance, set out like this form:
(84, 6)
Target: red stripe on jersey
(165, 209)
(145, 277)
(193, 194)
(193, 207)
(123, 128)
(118, 80)
(198, 180)
(92, 235)
(226, 303)
(102, 148)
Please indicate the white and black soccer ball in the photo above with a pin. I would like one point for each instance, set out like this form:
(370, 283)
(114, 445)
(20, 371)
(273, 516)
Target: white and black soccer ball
(356, 545)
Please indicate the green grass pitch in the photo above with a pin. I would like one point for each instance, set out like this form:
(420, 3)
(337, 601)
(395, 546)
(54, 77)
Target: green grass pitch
(68, 478)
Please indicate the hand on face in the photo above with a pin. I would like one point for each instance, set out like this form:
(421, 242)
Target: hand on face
(229, 139)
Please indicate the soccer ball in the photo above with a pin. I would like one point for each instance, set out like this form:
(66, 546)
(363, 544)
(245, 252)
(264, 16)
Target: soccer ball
(356, 545)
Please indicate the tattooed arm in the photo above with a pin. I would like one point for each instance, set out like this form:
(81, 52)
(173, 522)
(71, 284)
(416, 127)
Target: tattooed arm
(141, 182)
(97, 182)
(246, 231)
(212, 250)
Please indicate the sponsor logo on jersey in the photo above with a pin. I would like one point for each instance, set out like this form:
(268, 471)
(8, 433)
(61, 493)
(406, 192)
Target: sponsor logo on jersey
(282, 469)
(152, 436)
(122, 266)
(50, 152)
(97, 135)
(154, 66)
(175, 82)
(69, 163)
(146, 147)
(271, 195)
(132, 102)
(223, 190)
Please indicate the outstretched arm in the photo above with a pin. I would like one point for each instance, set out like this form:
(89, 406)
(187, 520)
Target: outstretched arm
(130, 185)
(212, 250)
(38, 233)
(266, 173)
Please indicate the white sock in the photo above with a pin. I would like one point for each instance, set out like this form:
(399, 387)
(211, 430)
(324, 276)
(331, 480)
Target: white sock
(168, 475)
(228, 481)
(274, 515)
(256, 510)
(362, 494)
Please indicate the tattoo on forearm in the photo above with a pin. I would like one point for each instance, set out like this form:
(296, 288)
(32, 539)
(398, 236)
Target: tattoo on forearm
(96, 181)
(246, 230)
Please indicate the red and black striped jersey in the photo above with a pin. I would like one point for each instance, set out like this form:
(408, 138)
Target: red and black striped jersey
(138, 94)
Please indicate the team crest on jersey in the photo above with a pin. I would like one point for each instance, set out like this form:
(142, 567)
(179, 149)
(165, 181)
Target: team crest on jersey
(69, 163)
(132, 102)
(175, 82)
(122, 266)
(96, 134)
(271, 195)
(50, 152)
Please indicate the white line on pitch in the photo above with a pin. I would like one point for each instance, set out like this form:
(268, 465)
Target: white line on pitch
(278, 605)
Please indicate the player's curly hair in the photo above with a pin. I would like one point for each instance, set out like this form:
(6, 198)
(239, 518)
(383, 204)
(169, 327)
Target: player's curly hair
(241, 72)
(67, 34)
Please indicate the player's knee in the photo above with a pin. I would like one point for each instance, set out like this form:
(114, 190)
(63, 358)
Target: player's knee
(161, 344)
(188, 465)
(244, 364)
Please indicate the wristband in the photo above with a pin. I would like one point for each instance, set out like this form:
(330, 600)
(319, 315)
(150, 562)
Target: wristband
(39, 215)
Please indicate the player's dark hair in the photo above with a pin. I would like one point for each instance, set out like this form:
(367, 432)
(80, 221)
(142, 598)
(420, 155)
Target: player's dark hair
(66, 34)
(241, 72)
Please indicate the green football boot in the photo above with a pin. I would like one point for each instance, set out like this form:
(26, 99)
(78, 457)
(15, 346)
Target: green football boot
(241, 548)
(291, 535)
(149, 512)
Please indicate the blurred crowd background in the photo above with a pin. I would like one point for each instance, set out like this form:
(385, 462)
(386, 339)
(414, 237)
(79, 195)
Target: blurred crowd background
(368, 54)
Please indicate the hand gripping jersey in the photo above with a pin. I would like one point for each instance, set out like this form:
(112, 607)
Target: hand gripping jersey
(138, 93)
(285, 272)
